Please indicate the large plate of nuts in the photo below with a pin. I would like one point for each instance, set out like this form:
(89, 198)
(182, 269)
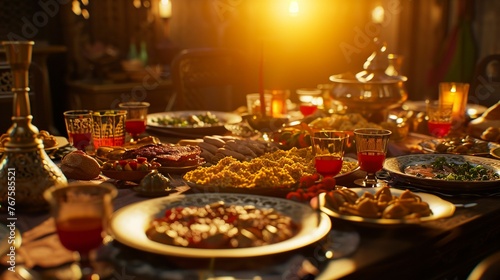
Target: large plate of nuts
(458, 145)
(143, 225)
(384, 205)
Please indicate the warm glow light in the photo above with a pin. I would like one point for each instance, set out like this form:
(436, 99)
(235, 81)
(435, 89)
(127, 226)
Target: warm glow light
(165, 9)
(85, 14)
(137, 3)
(378, 14)
(293, 8)
(76, 8)
(456, 93)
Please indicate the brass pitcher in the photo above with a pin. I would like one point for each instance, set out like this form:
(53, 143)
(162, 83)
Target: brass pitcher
(26, 170)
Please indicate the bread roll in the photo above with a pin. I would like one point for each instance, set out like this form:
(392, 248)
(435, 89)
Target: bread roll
(80, 166)
(490, 118)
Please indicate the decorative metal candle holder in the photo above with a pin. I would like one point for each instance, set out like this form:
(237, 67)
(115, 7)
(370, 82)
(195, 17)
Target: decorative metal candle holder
(26, 170)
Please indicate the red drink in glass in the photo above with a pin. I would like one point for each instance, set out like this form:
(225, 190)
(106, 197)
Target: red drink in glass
(328, 166)
(109, 141)
(81, 234)
(135, 126)
(371, 161)
(80, 140)
(307, 109)
(439, 129)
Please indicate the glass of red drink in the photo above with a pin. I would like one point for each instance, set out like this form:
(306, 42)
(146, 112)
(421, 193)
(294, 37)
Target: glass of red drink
(310, 99)
(137, 113)
(307, 108)
(328, 149)
(81, 212)
(439, 116)
(371, 147)
(79, 128)
(108, 128)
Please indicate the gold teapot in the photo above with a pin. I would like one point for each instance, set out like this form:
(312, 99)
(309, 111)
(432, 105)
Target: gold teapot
(371, 92)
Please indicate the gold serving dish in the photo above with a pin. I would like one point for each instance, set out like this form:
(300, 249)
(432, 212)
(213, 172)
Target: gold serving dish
(371, 92)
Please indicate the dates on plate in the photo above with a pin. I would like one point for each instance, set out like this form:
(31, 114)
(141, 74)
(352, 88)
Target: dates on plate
(136, 164)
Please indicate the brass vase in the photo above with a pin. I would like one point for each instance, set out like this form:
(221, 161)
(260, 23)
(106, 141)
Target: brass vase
(26, 170)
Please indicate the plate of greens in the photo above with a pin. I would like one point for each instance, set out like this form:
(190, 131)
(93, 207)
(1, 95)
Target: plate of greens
(191, 123)
(445, 172)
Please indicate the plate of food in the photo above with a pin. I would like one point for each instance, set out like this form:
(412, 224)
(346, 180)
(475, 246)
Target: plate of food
(274, 173)
(139, 225)
(458, 145)
(191, 123)
(49, 143)
(133, 170)
(445, 172)
(472, 110)
(384, 206)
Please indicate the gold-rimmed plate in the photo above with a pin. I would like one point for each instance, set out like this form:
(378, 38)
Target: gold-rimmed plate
(129, 224)
(460, 146)
(276, 191)
(440, 209)
(154, 123)
(396, 166)
(60, 142)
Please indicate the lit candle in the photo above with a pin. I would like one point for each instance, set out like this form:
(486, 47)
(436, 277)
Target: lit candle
(456, 93)
(165, 9)
(278, 102)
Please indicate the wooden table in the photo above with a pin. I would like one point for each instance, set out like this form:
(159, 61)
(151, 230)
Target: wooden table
(443, 249)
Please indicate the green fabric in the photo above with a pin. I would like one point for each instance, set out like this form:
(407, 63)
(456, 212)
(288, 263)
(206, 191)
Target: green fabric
(463, 62)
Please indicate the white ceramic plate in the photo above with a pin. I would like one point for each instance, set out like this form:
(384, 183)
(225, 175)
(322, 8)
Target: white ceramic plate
(395, 166)
(129, 224)
(190, 131)
(440, 209)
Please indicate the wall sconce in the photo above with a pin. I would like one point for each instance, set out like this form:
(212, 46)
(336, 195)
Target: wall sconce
(165, 8)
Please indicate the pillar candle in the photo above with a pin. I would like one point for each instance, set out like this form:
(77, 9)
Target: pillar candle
(456, 93)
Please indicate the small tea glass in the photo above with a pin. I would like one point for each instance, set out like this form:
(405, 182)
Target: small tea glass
(79, 127)
(328, 149)
(137, 114)
(108, 128)
(439, 116)
(309, 100)
(81, 211)
(371, 147)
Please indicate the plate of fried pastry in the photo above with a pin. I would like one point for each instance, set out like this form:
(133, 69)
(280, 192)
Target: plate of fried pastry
(384, 205)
